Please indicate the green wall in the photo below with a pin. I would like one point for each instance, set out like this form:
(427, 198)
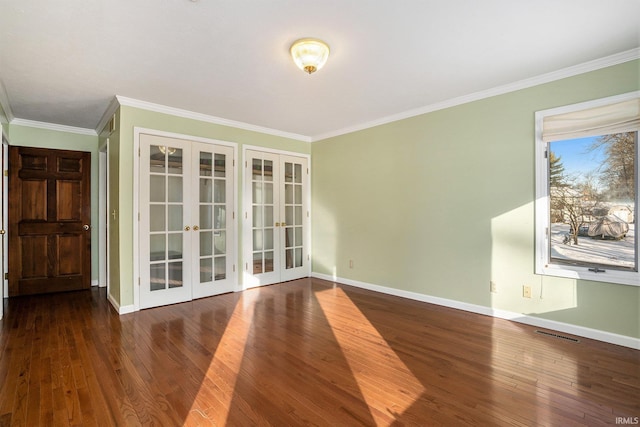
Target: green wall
(443, 203)
(44, 138)
(131, 117)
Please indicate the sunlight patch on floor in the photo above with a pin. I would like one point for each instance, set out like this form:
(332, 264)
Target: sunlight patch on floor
(377, 373)
(216, 392)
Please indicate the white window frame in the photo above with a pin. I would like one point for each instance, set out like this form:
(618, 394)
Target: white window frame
(544, 265)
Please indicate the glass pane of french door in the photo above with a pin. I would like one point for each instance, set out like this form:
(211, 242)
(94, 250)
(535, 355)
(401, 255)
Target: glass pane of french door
(293, 215)
(262, 207)
(164, 275)
(294, 177)
(166, 209)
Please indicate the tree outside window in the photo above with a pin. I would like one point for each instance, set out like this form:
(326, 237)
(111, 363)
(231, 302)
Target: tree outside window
(592, 187)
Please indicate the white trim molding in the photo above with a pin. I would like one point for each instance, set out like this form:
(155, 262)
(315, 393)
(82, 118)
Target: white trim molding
(581, 331)
(246, 147)
(207, 118)
(120, 310)
(53, 126)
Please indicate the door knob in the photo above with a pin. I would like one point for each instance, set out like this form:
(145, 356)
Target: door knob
(86, 227)
(196, 228)
(187, 228)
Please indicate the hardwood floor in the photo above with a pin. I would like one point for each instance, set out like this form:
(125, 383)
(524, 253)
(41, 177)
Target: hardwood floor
(299, 353)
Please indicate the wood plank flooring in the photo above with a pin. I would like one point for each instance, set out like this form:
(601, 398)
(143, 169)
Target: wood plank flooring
(306, 352)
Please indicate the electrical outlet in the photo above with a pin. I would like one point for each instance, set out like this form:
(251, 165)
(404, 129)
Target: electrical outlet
(350, 263)
(493, 288)
(526, 291)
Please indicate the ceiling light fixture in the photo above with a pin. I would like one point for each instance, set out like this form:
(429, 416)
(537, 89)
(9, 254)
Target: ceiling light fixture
(165, 150)
(309, 54)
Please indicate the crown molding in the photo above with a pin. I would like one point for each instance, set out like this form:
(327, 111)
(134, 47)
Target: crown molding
(608, 61)
(53, 126)
(207, 118)
(4, 103)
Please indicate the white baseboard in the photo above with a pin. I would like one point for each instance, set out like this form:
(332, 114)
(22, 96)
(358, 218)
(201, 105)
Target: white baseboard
(568, 328)
(127, 309)
(120, 310)
(98, 284)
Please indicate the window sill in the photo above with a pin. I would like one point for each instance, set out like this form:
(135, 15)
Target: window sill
(620, 277)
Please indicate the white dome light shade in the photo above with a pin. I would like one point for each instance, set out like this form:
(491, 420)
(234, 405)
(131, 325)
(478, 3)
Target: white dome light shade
(309, 54)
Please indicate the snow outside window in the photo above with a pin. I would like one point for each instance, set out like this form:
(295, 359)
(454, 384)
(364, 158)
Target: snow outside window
(587, 190)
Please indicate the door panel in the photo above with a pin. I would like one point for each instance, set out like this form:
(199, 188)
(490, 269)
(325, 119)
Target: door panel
(262, 219)
(67, 263)
(68, 201)
(49, 217)
(34, 200)
(276, 219)
(213, 231)
(34, 256)
(163, 226)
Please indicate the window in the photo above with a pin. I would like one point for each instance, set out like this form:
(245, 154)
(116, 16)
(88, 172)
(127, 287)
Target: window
(587, 190)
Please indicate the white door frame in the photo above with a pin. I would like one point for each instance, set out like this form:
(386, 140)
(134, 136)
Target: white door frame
(248, 280)
(137, 131)
(103, 253)
(4, 241)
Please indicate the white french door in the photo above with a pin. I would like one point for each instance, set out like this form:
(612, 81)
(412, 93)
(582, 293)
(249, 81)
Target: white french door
(186, 220)
(276, 218)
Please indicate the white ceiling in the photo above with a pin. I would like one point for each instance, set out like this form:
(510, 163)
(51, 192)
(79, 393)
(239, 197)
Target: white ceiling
(62, 61)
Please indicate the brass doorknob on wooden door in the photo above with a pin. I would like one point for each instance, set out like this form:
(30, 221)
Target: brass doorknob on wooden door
(86, 227)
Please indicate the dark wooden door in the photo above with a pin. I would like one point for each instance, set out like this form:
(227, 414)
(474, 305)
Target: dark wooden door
(49, 220)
